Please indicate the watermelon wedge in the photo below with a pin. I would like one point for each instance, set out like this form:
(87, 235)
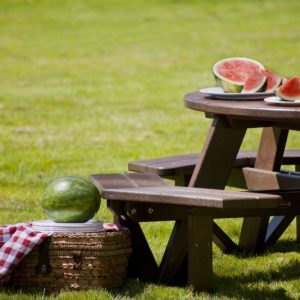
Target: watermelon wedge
(274, 80)
(290, 90)
(240, 75)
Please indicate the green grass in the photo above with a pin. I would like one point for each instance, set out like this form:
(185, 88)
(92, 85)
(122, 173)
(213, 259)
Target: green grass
(87, 86)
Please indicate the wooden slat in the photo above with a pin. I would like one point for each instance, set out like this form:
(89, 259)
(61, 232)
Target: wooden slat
(182, 164)
(185, 164)
(197, 197)
(262, 180)
(164, 165)
(111, 181)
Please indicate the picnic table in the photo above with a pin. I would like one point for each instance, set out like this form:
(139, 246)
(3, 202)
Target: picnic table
(145, 197)
(231, 119)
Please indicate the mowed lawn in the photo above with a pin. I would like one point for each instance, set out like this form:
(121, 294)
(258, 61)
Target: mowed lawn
(86, 86)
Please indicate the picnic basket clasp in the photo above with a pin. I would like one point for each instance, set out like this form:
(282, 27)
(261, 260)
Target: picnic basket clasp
(77, 256)
(43, 267)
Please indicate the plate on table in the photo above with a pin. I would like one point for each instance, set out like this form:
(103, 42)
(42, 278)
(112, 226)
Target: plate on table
(50, 226)
(218, 93)
(278, 101)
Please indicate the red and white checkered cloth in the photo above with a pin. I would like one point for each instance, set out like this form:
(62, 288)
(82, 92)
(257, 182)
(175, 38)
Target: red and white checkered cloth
(16, 241)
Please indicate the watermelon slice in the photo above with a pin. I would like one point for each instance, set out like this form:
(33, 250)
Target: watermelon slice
(290, 90)
(240, 75)
(274, 80)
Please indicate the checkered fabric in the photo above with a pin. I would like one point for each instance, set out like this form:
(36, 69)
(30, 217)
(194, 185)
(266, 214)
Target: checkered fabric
(16, 241)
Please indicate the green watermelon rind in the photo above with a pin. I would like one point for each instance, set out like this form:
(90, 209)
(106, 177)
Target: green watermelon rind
(230, 86)
(72, 209)
(227, 86)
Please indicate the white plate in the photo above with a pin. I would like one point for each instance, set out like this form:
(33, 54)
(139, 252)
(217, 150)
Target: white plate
(218, 93)
(278, 101)
(50, 226)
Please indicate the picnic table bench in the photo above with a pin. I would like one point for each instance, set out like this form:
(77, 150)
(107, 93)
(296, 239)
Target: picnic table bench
(145, 197)
(179, 168)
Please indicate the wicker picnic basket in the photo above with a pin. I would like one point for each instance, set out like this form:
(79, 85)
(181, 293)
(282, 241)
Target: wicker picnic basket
(76, 261)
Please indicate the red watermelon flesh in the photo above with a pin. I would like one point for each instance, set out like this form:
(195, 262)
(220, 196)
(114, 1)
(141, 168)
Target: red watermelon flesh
(274, 80)
(240, 74)
(290, 90)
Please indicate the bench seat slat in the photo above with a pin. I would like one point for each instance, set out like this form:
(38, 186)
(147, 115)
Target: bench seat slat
(184, 164)
(197, 197)
(110, 181)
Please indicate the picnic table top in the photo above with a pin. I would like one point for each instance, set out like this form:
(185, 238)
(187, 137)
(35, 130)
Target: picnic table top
(250, 109)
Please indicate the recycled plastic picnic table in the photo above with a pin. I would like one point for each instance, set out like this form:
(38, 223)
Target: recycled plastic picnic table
(231, 119)
(136, 198)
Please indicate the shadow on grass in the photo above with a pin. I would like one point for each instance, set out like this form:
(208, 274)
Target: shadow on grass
(131, 289)
(237, 287)
(241, 286)
(284, 246)
(255, 285)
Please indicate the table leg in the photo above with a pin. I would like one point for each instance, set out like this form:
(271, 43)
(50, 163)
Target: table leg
(214, 166)
(142, 264)
(297, 168)
(175, 255)
(271, 149)
(200, 269)
(269, 157)
(223, 241)
(276, 228)
(253, 233)
(217, 157)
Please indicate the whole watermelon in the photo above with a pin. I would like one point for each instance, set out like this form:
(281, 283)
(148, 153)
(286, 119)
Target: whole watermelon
(71, 199)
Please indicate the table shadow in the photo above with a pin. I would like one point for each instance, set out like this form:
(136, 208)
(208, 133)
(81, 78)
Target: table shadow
(224, 286)
(284, 246)
(238, 286)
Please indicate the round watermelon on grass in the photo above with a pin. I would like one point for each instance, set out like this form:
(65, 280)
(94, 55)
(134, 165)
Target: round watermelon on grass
(71, 199)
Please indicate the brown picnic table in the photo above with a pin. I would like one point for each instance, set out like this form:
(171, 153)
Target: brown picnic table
(231, 119)
(146, 197)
